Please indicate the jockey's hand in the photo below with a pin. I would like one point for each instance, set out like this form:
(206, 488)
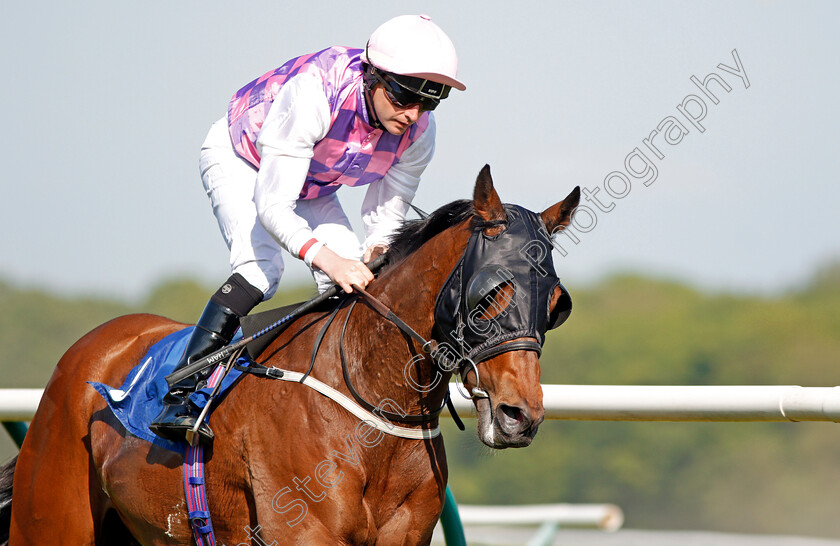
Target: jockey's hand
(342, 271)
(374, 251)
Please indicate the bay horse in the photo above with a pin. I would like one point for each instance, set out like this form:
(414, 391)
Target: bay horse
(287, 465)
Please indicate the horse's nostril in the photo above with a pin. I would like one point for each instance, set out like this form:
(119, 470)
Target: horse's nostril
(515, 424)
(513, 413)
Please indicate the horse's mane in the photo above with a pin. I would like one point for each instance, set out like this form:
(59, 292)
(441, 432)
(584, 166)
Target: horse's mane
(413, 233)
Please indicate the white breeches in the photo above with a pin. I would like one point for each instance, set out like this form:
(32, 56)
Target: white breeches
(229, 181)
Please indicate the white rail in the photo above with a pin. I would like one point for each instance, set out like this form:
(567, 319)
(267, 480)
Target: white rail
(607, 517)
(19, 404)
(684, 403)
(616, 403)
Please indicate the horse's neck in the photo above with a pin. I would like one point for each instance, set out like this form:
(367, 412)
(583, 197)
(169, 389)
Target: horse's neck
(410, 289)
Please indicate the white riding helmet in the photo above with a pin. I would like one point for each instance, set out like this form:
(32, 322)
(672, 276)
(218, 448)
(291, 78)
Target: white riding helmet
(412, 45)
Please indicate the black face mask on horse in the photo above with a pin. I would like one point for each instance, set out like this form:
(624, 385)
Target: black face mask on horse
(500, 292)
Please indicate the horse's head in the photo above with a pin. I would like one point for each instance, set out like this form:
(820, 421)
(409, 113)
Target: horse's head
(495, 307)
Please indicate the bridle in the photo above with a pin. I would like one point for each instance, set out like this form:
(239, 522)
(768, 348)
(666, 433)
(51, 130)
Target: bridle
(486, 267)
(457, 347)
(429, 347)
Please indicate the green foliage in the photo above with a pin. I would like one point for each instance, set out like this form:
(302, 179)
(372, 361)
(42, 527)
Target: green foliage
(178, 299)
(36, 328)
(767, 477)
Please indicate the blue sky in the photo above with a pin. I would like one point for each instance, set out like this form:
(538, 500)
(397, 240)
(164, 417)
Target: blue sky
(108, 102)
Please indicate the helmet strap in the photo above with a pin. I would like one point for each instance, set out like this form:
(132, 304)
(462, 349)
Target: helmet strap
(369, 83)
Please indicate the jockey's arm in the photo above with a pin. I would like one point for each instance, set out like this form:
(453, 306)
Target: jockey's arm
(387, 200)
(297, 120)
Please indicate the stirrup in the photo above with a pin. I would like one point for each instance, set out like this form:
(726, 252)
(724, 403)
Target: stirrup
(176, 420)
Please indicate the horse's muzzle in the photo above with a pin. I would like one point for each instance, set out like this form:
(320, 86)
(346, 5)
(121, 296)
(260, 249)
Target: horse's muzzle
(506, 425)
(517, 424)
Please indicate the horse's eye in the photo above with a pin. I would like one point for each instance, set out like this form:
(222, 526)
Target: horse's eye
(495, 302)
(489, 292)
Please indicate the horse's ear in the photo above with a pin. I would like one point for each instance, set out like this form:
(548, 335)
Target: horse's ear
(486, 201)
(560, 214)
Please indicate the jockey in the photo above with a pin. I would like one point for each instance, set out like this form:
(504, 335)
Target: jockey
(291, 138)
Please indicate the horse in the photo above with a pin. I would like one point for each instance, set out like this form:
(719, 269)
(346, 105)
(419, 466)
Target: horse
(289, 466)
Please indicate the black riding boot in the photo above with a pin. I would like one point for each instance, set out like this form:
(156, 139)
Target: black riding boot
(214, 330)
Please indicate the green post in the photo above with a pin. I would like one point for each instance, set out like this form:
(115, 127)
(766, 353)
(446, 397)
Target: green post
(453, 531)
(17, 430)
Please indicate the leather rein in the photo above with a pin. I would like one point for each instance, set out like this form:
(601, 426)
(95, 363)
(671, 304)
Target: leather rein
(374, 415)
(364, 410)
(427, 346)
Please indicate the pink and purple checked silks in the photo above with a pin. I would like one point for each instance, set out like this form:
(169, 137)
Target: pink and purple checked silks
(353, 153)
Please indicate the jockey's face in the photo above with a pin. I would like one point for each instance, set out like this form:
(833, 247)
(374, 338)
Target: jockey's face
(395, 119)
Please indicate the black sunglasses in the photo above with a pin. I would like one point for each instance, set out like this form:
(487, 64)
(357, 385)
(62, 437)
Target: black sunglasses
(401, 94)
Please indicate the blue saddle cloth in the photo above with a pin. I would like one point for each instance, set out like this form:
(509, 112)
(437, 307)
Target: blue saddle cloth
(138, 400)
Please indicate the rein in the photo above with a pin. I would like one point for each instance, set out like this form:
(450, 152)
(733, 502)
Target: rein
(226, 352)
(431, 347)
(466, 278)
(372, 416)
(425, 418)
(364, 410)
(428, 346)
(382, 309)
